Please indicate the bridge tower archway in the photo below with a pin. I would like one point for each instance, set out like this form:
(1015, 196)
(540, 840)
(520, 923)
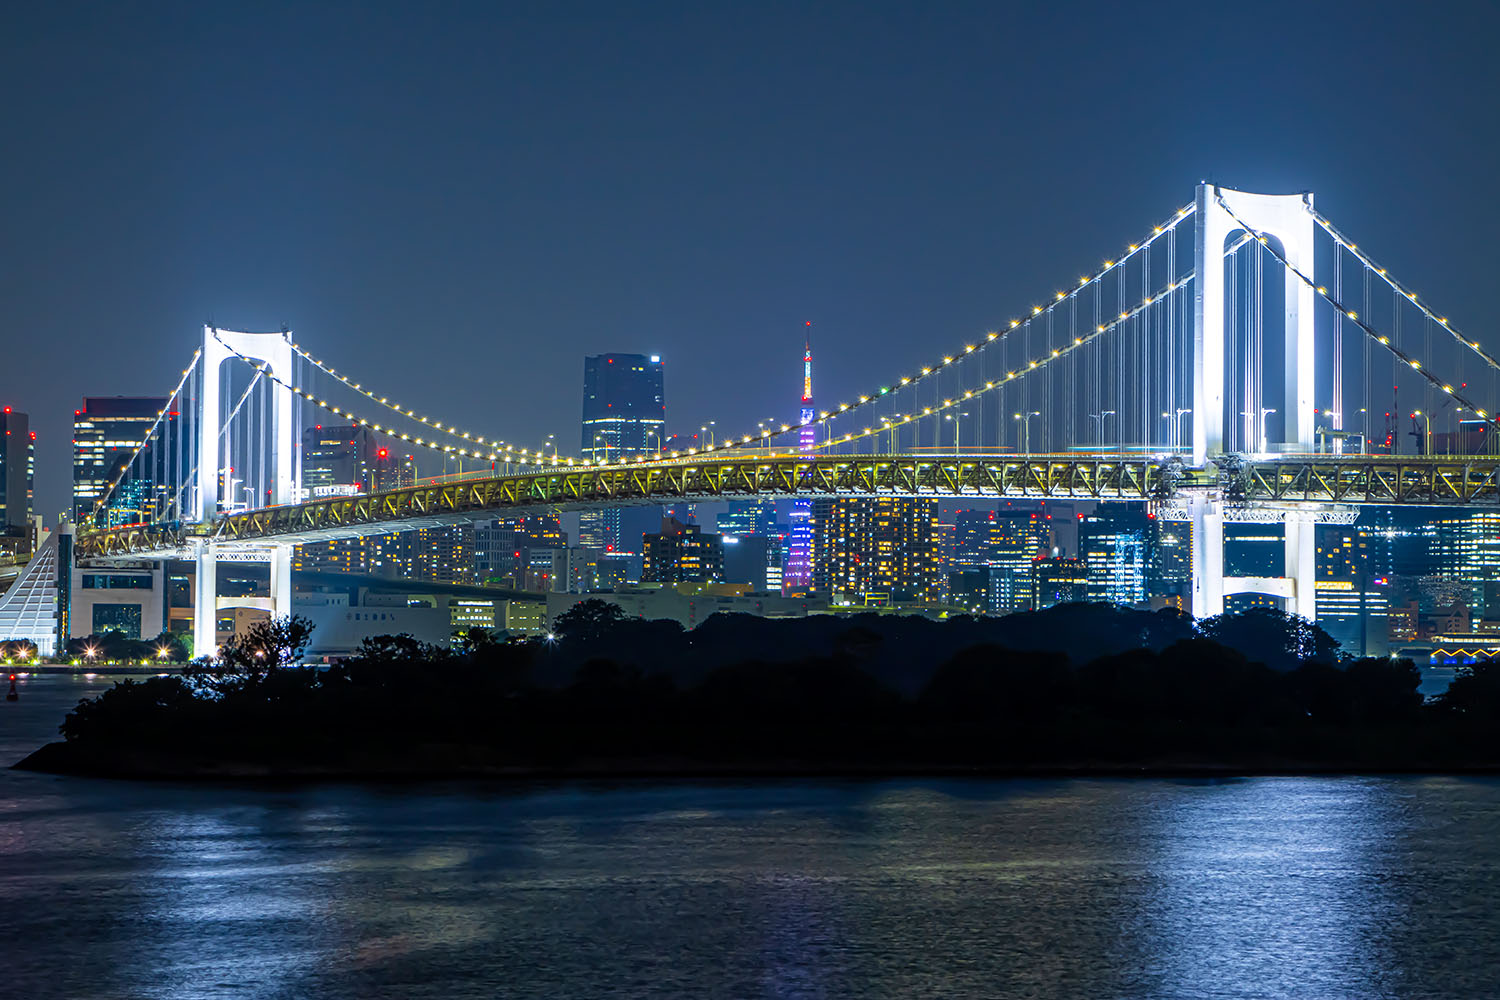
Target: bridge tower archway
(275, 350)
(1220, 212)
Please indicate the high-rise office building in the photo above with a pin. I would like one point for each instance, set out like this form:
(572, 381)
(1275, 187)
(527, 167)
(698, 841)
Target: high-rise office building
(1169, 562)
(1058, 580)
(1003, 543)
(1112, 545)
(624, 413)
(17, 472)
(339, 460)
(973, 539)
(800, 555)
(502, 547)
(874, 550)
(1353, 605)
(682, 553)
(747, 517)
(1465, 547)
(106, 433)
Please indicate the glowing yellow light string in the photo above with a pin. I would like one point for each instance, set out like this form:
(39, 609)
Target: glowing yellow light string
(1471, 345)
(506, 454)
(1352, 315)
(927, 371)
(451, 430)
(1025, 369)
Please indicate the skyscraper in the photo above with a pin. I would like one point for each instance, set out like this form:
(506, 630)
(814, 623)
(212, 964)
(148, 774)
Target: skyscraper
(17, 469)
(872, 550)
(681, 553)
(1352, 604)
(1112, 546)
(17, 473)
(1003, 542)
(747, 517)
(624, 413)
(338, 460)
(106, 433)
(800, 556)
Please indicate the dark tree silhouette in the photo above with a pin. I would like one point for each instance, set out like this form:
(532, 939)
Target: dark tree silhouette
(588, 619)
(1275, 638)
(258, 651)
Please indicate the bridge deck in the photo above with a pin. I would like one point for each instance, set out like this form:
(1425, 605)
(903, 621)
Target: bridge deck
(1344, 479)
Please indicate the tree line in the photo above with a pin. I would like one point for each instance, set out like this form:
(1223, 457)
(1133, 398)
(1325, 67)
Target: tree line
(1077, 686)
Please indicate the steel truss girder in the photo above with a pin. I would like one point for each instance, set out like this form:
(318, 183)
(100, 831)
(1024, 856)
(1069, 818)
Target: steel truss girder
(1084, 478)
(1245, 485)
(1380, 480)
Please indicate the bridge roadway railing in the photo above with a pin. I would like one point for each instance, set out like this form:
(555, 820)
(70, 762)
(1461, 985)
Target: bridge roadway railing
(1347, 479)
(1105, 477)
(1438, 480)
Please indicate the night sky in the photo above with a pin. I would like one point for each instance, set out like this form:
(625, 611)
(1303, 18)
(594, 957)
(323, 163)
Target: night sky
(456, 202)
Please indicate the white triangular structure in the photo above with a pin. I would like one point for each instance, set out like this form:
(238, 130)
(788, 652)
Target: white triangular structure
(35, 608)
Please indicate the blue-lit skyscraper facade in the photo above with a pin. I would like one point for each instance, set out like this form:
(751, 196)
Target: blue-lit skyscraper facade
(624, 413)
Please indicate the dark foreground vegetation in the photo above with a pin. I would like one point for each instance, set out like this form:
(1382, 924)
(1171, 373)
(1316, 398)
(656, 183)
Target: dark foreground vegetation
(1075, 689)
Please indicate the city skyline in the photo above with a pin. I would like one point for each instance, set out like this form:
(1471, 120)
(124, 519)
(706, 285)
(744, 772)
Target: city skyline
(838, 263)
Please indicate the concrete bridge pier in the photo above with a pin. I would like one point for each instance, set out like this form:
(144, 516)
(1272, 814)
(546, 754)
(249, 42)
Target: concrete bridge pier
(206, 593)
(205, 600)
(281, 580)
(1207, 556)
(1297, 585)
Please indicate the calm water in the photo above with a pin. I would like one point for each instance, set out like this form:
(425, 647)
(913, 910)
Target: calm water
(1252, 888)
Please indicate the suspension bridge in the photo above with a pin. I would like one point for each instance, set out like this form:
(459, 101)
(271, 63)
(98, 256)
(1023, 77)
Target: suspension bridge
(1244, 360)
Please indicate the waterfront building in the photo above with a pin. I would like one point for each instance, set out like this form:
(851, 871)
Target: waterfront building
(881, 549)
(129, 600)
(106, 433)
(682, 553)
(624, 413)
(342, 621)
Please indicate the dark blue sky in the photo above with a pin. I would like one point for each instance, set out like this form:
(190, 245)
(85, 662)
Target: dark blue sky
(460, 201)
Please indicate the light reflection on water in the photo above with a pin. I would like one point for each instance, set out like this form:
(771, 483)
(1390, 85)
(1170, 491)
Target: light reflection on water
(1308, 887)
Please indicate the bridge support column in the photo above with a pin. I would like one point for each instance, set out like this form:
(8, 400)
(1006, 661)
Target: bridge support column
(1302, 566)
(1208, 557)
(281, 580)
(205, 602)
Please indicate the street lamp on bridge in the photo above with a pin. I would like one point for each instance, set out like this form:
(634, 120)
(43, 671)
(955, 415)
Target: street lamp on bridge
(1025, 419)
(956, 418)
(1100, 417)
(1250, 436)
(1174, 425)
